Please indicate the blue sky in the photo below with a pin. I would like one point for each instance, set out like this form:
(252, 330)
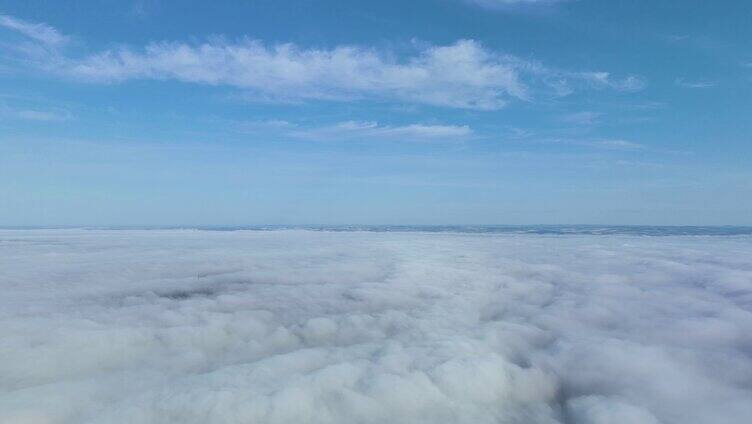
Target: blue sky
(364, 112)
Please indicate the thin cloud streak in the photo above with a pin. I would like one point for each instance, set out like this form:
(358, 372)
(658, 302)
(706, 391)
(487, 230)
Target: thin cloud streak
(681, 82)
(44, 116)
(503, 4)
(34, 114)
(581, 118)
(352, 130)
(617, 144)
(373, 130)
(40, 32)
(605, 144)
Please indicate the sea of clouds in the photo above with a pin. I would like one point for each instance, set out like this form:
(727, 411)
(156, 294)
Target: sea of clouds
(184, 326)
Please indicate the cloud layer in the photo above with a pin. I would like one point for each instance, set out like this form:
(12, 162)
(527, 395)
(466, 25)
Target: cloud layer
(328, 327)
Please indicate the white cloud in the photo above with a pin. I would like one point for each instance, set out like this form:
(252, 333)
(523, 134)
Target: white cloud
(39, 115)
(681, 82)
(496, 4)
(34, 114)
(605, 80)
(259, 126)
(618, 144)
(40, 32)
(461, 75)
(608, 144)
(341, 327)
(351, 130)
(372, 130)
(603, 409)
(677, 37)
(464, 74)
(564, 83)
(581, 118)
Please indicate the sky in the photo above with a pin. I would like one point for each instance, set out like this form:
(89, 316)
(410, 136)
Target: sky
(364, 112)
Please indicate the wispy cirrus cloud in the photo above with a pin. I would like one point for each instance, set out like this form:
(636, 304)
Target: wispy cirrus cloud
(674, 38)
(681, 82)
(351, 130)
(502, 4)
(40, 32)
(581, 118)
(464, 74)
(606, 80)
(40, 115)
(374, 130)
(616, 144)
(27, 114)
(564, 83)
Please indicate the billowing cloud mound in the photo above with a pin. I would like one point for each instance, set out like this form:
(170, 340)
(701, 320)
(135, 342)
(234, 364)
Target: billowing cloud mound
(352, 327)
